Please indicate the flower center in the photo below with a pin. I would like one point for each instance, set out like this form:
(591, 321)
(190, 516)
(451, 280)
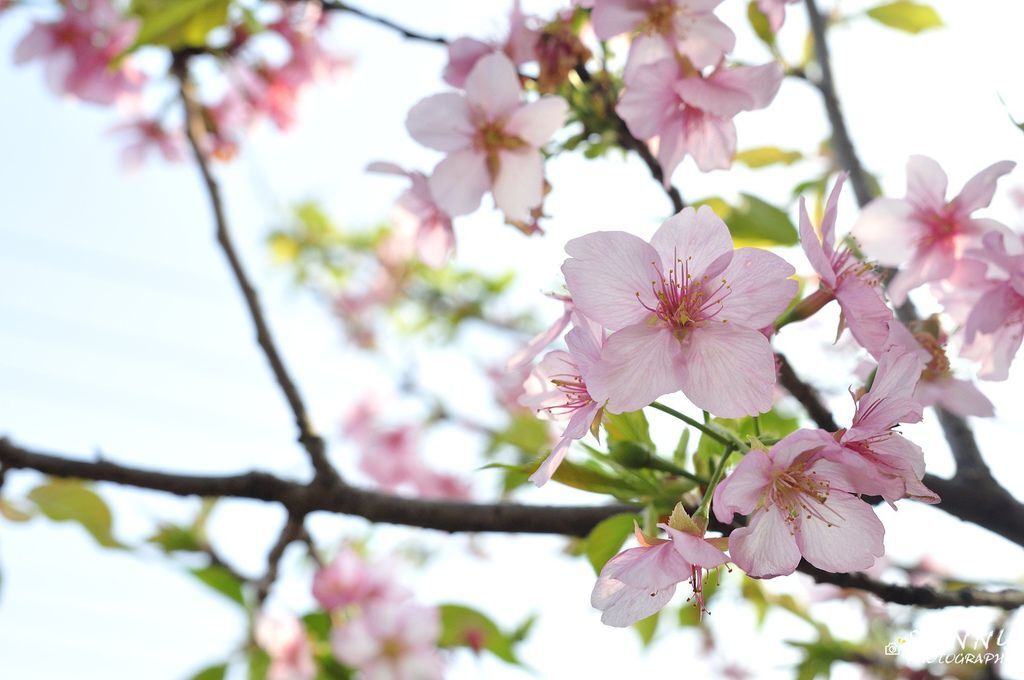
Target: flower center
(683, 302)
(943, 226)
(575, 392)
(938, 365)
(491, 139)
(660, 18)
(797, 491)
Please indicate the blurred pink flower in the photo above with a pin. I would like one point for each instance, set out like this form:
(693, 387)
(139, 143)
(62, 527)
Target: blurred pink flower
(391, 641)
(350, 580)
(519, 46)
(995, 325)
(691, 114)
(536, 345)
(799, 505)
(853, 283)
(557, 387)
(416, 212)
(284, 639)
(775, 11)
(150, 136)
(81, 51)
(638, 582)
(934, 232)
(665, 28)
(492, 141)
(684, 313)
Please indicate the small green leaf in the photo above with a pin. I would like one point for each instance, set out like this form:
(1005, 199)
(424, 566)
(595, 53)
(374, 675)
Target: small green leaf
(465, 627)
(178, 23)
(221, 580)
(171, 538)
(754, 222)
(72, 501)
(904, 15)
(218, 672)
(259, 664)
(318, 624)
(607, 537)
(628, 427)
(646, 628)
(763, 156)
(589, 479)
(759, 22)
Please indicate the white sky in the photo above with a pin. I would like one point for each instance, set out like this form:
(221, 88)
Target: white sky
(121, 331)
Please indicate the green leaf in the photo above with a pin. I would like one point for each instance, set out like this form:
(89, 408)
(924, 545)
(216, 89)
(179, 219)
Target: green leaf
(465, 627)
(259, 664)
(763, 156)
(607, 537)
(646, 628)
(754, 222)
(218, 672)
(221, 580)
(178, 23)
(318, 624)
(759, 22)
(72, 501)
(589, 479)
(172, 538)
(628, 427)
(903, 15)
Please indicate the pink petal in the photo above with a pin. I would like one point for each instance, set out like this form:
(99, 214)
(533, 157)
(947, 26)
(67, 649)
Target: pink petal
(605, 272)
(744, 488)
(460, 181)
(765, 548)
(850, 542)
(519, 184)
(961, 397)
(978, 191)
(442, 122)
(711, 141)
(995, 351)
(612, 17)
(649, 100)
(435, 241)
(493, 86)
(649, 586)
(463, 54)
(865, 312)
(930, 263)
(759, 288)
(698, 237)
(759, 84)
(884, 231)
(37, 42)
(695, 550)
(537, 121)
(704, 38)
(577, 428)
(819, 255)
(729, 370)
(926, 183)
(638, 364)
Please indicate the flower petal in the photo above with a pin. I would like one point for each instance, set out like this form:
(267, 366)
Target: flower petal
(441, 122)
(697, 237)
(638, 364)
(519, 184)
(460, 181)
(535, 122)
(493, 85)
(850, 541)
(765, 548)
(729, 370)
(759, 288)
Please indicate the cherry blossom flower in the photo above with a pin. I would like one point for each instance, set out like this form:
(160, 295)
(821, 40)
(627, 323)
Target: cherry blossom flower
(557, 387)
(638, 582)
(348, 580)
(417, 212)
(851, 282)
(885, 463)
(149, 136)
(538, 342)
(519, 46)
(775, 11)
(937, 386)
(690, 113)
(995, 324)
(684, 313)
(284, 640)
(665, 28)
(492, 141)
(82, 50)
(933, 231)
(395, 639)
(800, 505)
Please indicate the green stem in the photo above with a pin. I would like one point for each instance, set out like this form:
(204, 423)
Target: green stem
(691, 422)
(657, 463)
(704, 510)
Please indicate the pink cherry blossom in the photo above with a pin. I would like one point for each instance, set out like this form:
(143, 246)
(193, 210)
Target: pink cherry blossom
(691, 114)
(884, 462)
(349, 580)
(937, 386)
(150, 136)
(395, 639)
(934, 232)
(519, 46)
(491, 138)
(684, 313)
(638, 582)
(995, 324)
(417, 212)
(284, 640)
(775, 11)
(665, 28)
(853, 283)
(538, 342)
(799, 505)
(82, 51)
(557, 387)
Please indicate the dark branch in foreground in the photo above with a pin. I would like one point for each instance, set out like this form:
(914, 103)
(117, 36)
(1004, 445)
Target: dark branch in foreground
(196, 131)
(806, 395)
(338, 6)
(300, 500)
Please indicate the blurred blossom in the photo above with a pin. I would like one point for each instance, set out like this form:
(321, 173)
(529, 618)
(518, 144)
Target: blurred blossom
(284, 639)
(395, 640)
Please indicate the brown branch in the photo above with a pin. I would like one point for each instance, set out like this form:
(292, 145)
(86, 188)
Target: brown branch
(292, 531)
(805, 394)
(196, 131)
(338, 6)
(919, 596)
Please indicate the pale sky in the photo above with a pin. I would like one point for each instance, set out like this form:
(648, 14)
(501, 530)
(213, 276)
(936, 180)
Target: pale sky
(123, 333)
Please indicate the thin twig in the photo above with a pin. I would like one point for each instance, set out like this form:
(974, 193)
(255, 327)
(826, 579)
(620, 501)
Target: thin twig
(806, 395)
(292, 531)
(338, 6)
(196, 132)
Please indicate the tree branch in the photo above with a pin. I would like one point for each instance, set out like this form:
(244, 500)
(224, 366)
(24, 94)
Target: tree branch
(196, 131)
(292, 531)
(338, 6)
(805, 394)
